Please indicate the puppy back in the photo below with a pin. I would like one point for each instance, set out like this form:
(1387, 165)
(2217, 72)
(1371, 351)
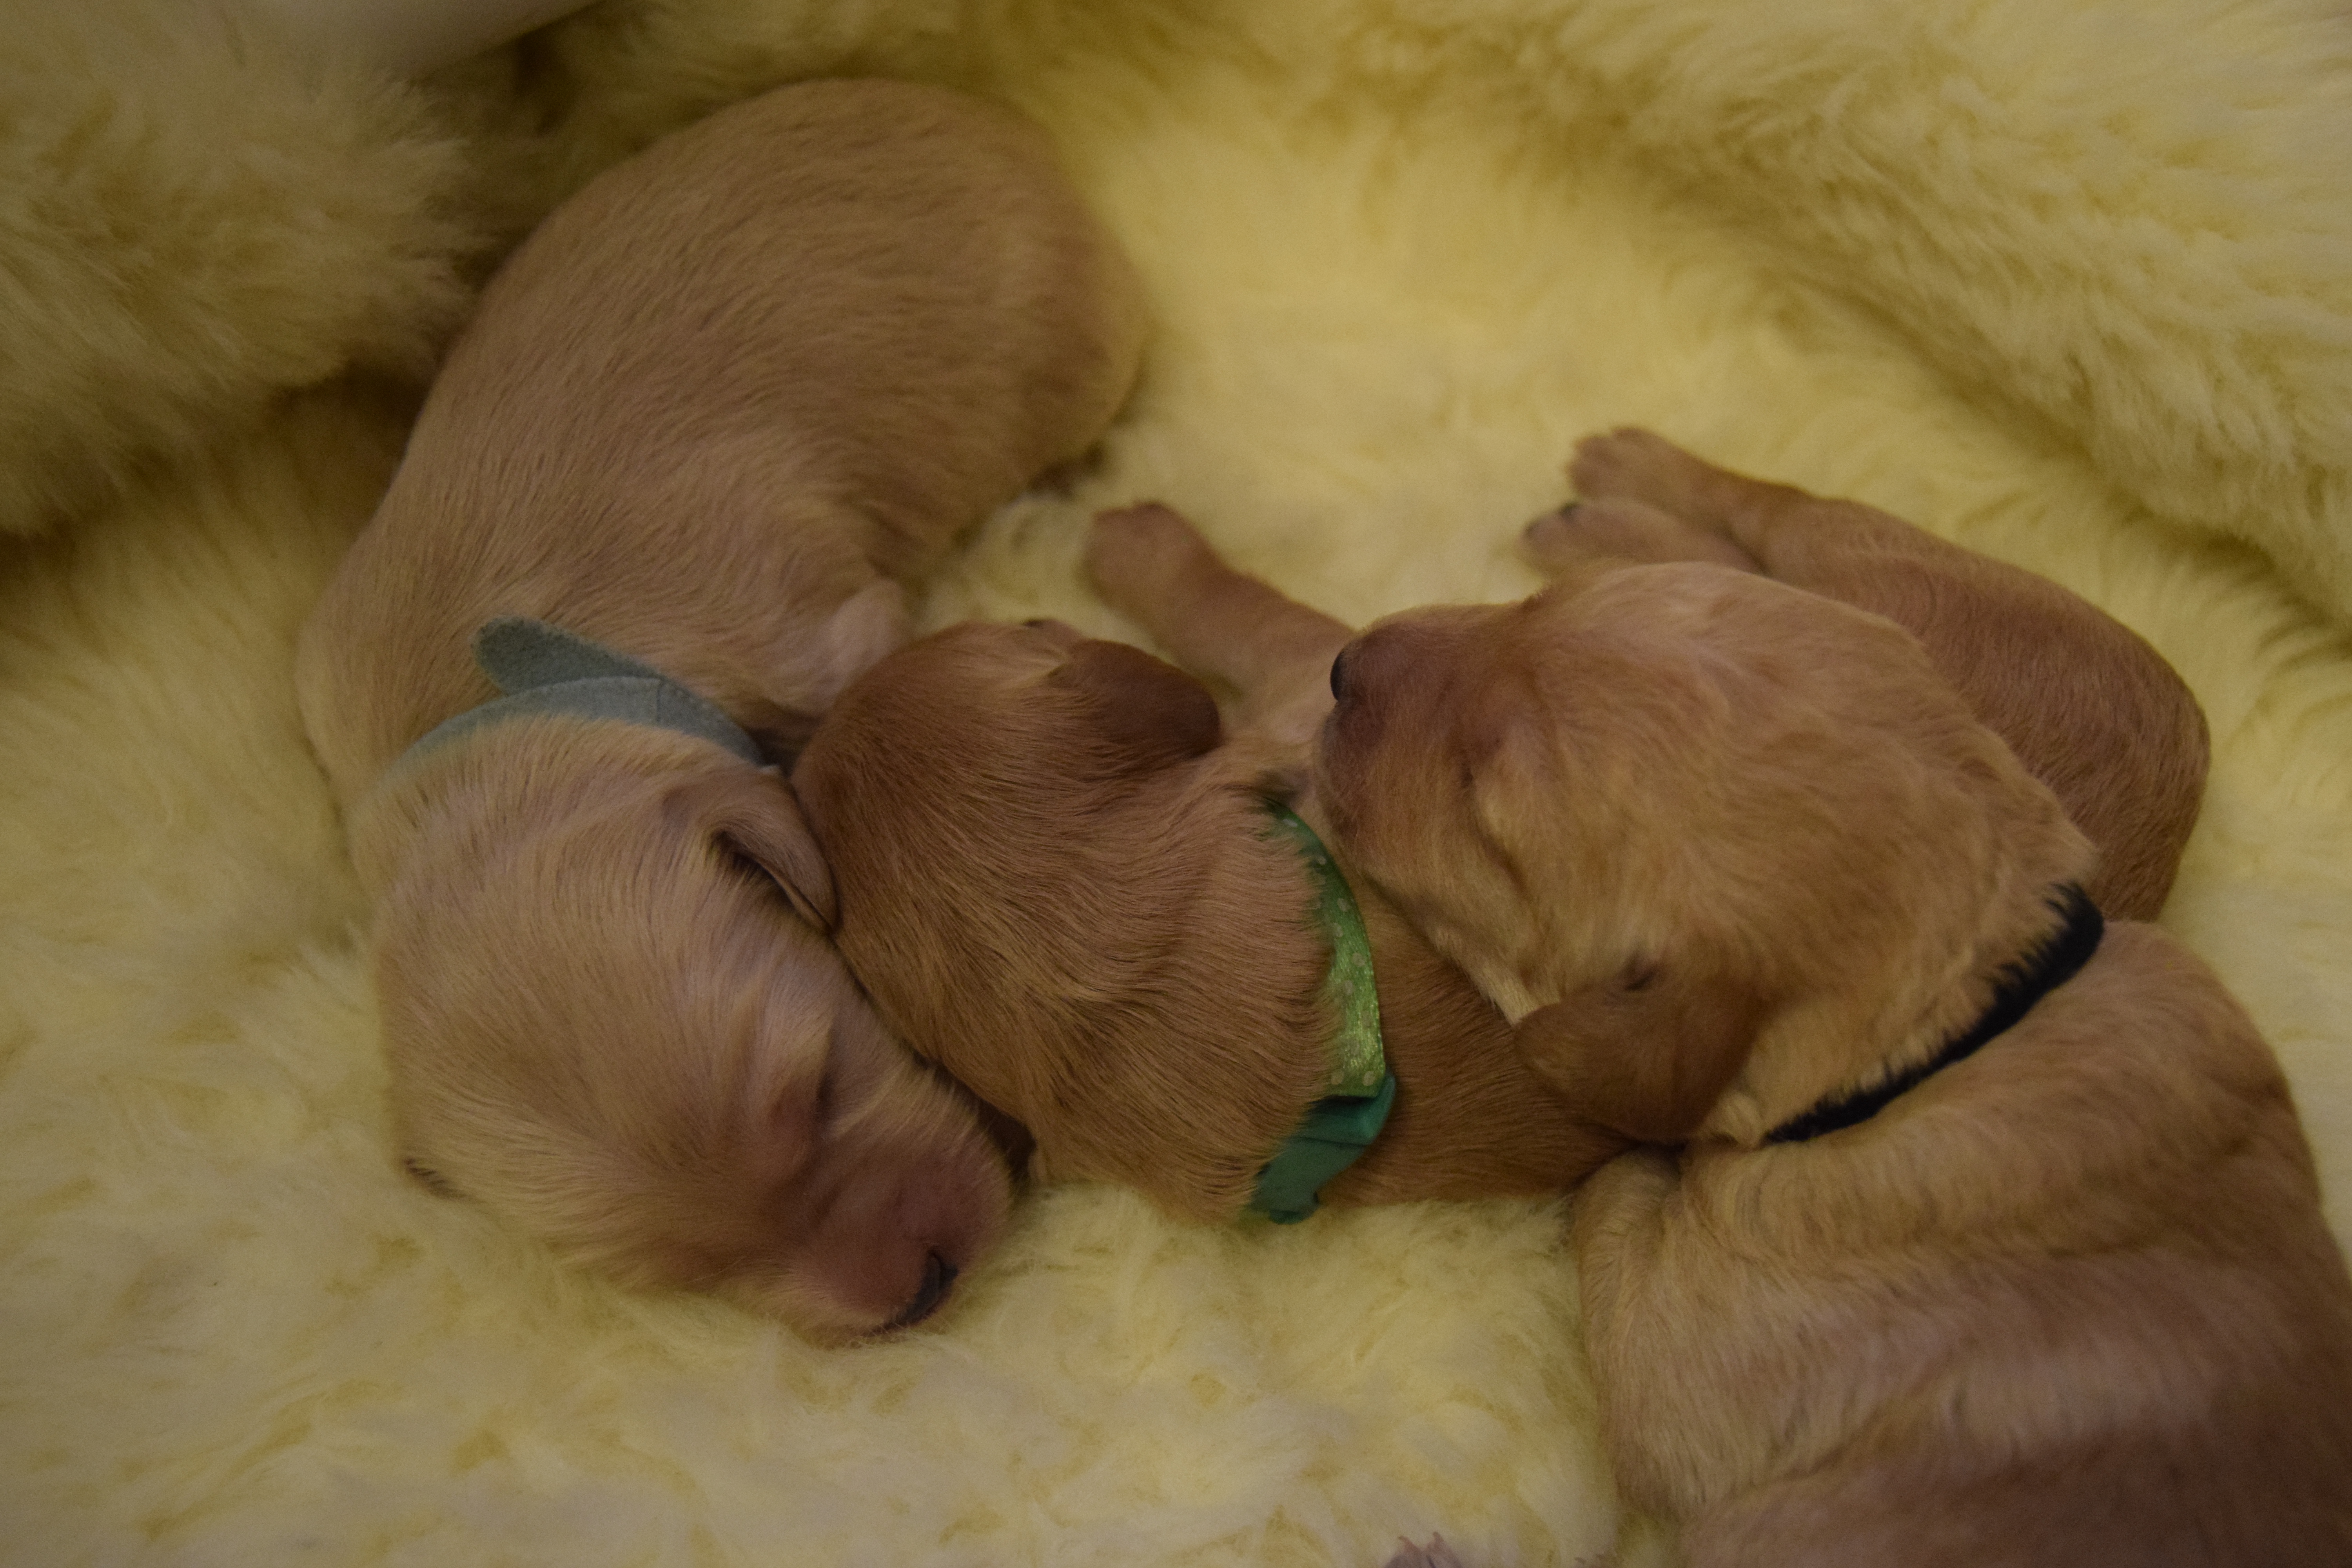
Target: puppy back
(794, 345)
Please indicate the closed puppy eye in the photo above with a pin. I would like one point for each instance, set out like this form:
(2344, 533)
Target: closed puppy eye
(798, 1124)
(813, 1105)
(733, 856)
(430, 1179)
(1637, 975)
(750, 870)
(799, 1102)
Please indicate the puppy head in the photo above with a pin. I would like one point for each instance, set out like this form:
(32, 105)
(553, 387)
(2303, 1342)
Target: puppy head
(611, 1015)
(1048, 889)
(956, 788)
(1703, 813)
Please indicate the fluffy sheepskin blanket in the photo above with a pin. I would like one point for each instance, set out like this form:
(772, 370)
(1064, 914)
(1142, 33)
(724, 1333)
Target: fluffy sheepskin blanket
(2069, 280)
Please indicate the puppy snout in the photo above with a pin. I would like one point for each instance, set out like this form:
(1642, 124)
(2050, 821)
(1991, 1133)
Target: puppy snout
(938, 1279)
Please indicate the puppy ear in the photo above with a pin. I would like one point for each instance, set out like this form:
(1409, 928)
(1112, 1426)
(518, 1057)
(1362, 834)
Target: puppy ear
(1647, 1054)
(752, 816)
(1148, 714)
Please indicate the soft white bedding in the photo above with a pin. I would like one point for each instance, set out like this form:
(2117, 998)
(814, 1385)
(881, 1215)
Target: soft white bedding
(2072, 283)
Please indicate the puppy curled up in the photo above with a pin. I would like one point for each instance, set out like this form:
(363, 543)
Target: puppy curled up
(1970, 1227)
(709, 420)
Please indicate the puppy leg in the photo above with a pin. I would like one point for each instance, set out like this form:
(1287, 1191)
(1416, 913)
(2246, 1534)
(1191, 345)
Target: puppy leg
(1828, 547)
(1588, 537)
(1273, 652)
(2087, 706)
(1636, 1344)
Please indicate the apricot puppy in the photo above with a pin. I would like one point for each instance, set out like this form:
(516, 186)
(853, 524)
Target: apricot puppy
(1976, 1230)
(2082, 700)
(709, 418)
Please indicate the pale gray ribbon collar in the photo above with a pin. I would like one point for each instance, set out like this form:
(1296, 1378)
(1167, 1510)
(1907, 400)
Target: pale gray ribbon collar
(546, 671)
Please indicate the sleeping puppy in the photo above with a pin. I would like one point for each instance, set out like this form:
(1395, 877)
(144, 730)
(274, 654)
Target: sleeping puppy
(1982, 1232)
(2089, 708)
(708, 419)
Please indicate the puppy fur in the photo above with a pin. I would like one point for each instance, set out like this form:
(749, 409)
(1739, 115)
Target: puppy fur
(1725, 849)
(2087, 706)
(713, 414)
(1068, 896)
(1068, 901)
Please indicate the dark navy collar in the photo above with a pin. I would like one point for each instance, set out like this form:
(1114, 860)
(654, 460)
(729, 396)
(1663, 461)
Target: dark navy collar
(2050, 965)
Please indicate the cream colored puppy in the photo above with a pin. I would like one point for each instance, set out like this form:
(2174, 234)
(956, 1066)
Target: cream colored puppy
(1980, 1232)
(2088, 707)
(710, 416)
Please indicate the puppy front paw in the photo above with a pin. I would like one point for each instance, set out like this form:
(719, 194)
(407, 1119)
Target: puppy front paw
(1639, 465)
(1615, 530)
(1136, 554)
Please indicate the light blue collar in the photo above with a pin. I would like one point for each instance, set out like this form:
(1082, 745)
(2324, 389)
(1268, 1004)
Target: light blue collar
(545, 670)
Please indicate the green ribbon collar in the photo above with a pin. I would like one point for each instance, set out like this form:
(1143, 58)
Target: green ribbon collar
(1359, 1089)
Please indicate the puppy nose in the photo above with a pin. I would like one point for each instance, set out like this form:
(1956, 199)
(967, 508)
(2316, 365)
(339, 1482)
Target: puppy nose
(938, 1277)
(1339, 676)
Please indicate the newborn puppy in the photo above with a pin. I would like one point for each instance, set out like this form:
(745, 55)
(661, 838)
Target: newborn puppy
(2088, 707)
(1985, 1236)
(710, 416)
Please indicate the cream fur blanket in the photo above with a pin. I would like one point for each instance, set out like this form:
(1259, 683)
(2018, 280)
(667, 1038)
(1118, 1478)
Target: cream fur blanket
(2070, 281)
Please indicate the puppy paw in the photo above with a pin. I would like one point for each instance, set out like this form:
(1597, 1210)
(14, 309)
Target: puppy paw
(1639, 465)
(1615, 530)
(1135, 555)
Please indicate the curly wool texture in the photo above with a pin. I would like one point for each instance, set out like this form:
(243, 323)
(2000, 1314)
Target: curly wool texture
(1398, 262)
(193, 221)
